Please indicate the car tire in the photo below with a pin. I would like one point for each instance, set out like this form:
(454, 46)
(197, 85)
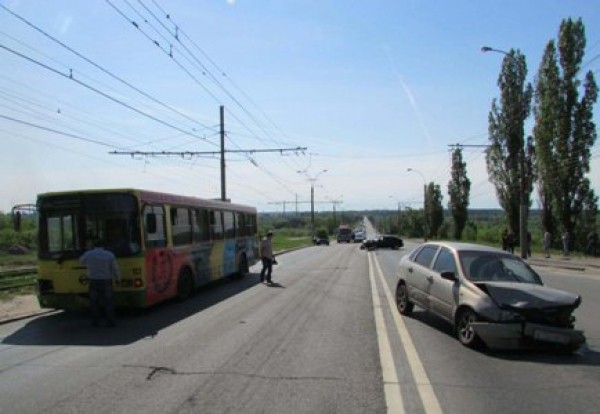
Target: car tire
(464, 331)
(403, 303)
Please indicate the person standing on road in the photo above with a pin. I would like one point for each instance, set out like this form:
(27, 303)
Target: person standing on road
(512, 241)
(592, 243)
(566, 239)
(267, 258)
(102, 269)
(547, 243)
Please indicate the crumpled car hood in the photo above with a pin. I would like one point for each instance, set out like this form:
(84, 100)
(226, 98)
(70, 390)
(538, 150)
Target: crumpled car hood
(529, 296)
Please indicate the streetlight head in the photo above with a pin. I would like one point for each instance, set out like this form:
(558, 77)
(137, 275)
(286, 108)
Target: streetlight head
(486, 49)
(409, 169)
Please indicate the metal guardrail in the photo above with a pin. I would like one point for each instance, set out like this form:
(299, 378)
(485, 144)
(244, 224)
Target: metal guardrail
(17, 277)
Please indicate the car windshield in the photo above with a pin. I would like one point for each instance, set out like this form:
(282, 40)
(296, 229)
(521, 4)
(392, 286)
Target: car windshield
(496, 267)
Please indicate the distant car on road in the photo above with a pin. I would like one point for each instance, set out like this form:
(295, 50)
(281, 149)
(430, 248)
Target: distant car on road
(359, 236)
(383, 241)
(322, 240)
(344, 234)
(490, 297)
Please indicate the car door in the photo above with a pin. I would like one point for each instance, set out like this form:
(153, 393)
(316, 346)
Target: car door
(443, 292)
(418, 275)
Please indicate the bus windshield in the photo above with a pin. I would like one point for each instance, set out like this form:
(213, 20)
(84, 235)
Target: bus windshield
(69, 223)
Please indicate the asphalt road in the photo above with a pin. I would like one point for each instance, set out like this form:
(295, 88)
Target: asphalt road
(326, 338)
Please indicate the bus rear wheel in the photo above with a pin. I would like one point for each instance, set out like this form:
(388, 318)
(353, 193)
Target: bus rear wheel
(185, 285)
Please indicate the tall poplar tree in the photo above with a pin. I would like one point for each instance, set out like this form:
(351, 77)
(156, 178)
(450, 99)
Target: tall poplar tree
(565, 131)
(506, 155)
(547, 109)
(459, 188)
(434, 209)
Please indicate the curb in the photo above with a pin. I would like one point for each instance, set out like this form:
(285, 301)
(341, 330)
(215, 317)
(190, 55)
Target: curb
(558, 265)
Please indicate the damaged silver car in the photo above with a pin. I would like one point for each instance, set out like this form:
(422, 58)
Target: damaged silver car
(489, 296)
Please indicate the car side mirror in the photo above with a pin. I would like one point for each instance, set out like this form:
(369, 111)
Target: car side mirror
(448, 275)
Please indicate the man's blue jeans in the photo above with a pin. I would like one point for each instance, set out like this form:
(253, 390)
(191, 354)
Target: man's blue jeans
(268, 268)
(101, 298)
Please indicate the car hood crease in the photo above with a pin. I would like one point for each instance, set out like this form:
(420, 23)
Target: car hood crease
(529, 296)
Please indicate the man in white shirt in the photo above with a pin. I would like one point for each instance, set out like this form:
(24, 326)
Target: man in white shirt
(102, 269)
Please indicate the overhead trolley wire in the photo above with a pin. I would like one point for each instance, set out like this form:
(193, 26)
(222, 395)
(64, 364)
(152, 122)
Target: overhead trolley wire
(202, 68)
(106, 71)
(104, 94)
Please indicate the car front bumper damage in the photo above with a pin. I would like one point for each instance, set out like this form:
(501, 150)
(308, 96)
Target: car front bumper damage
(526, 335)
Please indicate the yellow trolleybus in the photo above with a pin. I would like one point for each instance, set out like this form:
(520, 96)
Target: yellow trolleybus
(166, 245)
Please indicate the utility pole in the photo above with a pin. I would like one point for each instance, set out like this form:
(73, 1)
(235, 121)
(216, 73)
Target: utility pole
(222, 116)
(221, 152)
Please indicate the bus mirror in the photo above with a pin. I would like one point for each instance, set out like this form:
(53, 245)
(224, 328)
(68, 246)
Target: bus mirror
(151, 223)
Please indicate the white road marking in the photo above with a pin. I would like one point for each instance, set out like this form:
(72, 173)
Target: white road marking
(426, 392)
(391, 385)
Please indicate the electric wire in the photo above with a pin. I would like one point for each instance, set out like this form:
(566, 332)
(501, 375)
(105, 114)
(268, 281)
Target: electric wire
(97, 66)
(203, 69)
(93, 89)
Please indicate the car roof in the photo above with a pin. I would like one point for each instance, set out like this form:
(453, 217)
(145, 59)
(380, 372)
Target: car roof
(461, 246)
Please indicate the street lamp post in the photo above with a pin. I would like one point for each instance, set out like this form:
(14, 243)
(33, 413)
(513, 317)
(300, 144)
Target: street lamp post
(425, 227)
(522, 198)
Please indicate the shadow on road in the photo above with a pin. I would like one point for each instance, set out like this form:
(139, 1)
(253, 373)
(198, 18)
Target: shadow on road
(74, 328)
(545, 355)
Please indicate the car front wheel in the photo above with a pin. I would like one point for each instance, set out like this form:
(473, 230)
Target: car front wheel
(464, 328)
(404, 305)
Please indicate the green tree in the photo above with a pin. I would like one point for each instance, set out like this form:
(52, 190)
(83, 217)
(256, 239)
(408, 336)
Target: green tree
(546, 111)
(506, 155)
(434, 211)
(565, 132)
(459, 188)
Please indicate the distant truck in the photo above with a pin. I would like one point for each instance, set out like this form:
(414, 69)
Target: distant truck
(344, 234)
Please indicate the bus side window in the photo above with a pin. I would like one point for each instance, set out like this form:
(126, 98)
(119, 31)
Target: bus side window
(251, 228)
(154, 223)
(240, 224)
(151, 223)
(216, 225)
(201, 226)
(229, 225)
(181, 226)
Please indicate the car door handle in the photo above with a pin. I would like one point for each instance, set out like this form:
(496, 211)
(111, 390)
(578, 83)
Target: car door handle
(410, 270)
(430, 279)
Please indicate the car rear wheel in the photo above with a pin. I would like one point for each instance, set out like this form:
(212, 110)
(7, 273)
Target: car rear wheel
(404, 305)
(464, 328)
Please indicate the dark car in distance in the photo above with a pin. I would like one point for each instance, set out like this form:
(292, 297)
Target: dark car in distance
(384, 241)
(321, 241)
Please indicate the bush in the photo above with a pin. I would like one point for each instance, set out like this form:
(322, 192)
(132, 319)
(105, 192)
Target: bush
(9, 237)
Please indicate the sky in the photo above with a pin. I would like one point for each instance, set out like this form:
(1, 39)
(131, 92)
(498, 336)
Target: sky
(343, 97)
